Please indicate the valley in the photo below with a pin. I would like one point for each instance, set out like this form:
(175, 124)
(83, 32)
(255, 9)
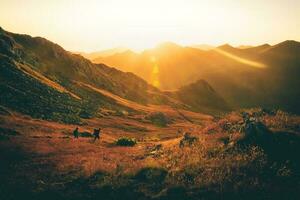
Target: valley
(228, 131)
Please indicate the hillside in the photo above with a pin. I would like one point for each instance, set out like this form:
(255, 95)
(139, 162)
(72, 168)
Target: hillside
(43, 80)
(193, 96)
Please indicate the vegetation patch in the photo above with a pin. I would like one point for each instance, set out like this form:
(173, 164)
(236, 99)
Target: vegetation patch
(159, 119)
(125, 141)
(4, 111)
(131, 128)
(5, 133)
(188, 140)
(151, 174)
(85, 134)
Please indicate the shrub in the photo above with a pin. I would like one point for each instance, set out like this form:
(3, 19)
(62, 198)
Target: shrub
(121, 113)
(125, 141)
(65, 118)
(6, 133)
(85, 134)
(159, 119)
(4, 111)
(85, 114)
(151, 174)
(187, 140)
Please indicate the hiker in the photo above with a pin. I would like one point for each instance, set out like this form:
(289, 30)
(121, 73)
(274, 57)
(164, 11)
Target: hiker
(97, 134)
(76, 133)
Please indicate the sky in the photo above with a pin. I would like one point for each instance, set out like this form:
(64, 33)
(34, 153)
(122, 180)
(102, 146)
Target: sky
(93, 25)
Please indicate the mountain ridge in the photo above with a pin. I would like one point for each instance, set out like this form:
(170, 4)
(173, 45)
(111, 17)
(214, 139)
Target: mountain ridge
(250, 77)
(37, 62)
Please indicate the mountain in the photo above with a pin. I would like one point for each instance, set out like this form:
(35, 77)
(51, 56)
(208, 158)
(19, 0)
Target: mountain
(200, 96)
(259, 48)
(167, 57)
(41, 79)
(244, 46)
(227, 47)
(128, 55)
(204, 47)
(262, 75)
(287, 51)
(104, 53)
(248, 53)
(50, 60)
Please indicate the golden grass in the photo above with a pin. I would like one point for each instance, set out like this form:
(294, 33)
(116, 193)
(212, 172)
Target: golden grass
(27, 70)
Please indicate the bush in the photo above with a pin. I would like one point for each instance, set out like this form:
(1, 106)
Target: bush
(85, 134)
(159, 119)
(121, 113)
(153, 175)
(6, 133)
(65, 118)
(124, 141)
(187, 140)
(4, 111)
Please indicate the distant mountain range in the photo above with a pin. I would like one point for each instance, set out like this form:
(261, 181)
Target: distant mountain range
(245, 76)
(204, 47)
(104, 53)
(41, 79)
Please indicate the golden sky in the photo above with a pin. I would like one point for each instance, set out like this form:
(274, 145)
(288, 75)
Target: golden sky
(91, 25)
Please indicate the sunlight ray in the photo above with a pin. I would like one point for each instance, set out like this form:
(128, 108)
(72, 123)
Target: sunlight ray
(241, 60)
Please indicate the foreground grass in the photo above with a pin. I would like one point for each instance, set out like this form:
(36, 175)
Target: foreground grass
(226, 161)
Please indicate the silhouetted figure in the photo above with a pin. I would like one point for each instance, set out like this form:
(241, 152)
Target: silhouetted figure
(97, 134)
(76, 133)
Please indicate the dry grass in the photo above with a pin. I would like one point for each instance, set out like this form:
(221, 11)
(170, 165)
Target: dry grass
(214, 163)
(45, 80)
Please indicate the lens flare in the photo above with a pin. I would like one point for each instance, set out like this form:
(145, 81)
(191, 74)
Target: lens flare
(241, 60)
(155, 72)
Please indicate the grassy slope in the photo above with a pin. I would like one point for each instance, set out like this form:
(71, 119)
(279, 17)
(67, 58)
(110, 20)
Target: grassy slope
(26, 94)
(49, 67)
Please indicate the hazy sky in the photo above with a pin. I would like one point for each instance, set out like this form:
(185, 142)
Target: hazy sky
(90, 25)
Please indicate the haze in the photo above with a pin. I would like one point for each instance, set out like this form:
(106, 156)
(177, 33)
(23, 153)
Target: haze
(139, 24)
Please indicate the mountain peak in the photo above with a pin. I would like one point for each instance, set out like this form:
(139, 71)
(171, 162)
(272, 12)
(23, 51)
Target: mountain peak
(265, 45)
(201, 95)
(128, 53)
(201, 83)
(168, 45)
(288, 47)
(204, 47)
(289, 43)
(103, 53)
(225, 47)
(257, 49)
